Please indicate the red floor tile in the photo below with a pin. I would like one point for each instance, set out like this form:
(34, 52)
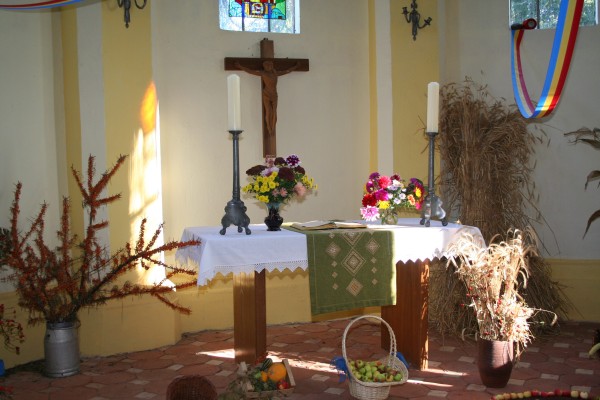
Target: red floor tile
(550, 362)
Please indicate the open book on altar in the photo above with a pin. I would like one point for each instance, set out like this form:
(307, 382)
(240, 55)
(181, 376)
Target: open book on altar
(317, 225)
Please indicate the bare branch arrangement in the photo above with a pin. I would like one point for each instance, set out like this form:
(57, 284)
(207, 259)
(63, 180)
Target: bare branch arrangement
(55, 283)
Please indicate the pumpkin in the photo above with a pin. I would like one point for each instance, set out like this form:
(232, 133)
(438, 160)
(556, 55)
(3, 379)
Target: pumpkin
(277, 372)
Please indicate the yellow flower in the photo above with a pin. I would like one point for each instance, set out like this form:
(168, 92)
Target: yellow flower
(418, 192)
(384, 205)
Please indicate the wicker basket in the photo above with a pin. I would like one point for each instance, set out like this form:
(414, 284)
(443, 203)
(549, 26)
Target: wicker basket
(375, 390)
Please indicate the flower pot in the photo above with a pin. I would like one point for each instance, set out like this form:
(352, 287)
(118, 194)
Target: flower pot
(273, 220)
(495, 362)
(61, 349)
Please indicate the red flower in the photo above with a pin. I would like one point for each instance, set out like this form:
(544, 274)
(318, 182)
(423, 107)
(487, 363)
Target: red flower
(369, 199)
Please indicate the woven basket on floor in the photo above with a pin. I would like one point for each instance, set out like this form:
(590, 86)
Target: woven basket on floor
(375, 390)
(191, 387)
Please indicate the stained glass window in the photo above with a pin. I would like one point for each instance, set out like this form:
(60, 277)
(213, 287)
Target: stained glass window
(281, 16)
(545, 12)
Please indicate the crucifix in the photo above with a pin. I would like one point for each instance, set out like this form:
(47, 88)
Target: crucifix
(249, 290)
(269, 69)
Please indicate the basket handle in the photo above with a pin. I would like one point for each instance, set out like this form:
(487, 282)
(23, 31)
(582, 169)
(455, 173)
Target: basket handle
(392, 352)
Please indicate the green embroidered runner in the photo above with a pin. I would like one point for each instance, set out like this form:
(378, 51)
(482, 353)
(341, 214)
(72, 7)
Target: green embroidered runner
(350, 268)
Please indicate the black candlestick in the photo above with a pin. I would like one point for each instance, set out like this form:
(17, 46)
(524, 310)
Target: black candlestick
(432, 206)
(235, 210)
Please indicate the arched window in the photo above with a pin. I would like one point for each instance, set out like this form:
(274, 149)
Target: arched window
(545, 12)
(281, 16)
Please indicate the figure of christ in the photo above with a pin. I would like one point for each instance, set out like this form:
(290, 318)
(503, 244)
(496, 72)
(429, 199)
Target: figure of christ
(268, 77)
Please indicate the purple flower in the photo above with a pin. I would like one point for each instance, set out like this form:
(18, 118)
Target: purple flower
(280, 161)
(382, 195)
(293, 160)
(374, 175)
(256, 170)
(286, 174)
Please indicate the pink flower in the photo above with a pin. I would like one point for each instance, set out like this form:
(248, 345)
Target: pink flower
(369, 213)
(384, 181)
(300, 189)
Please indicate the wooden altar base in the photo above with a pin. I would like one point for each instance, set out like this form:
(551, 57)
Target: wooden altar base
(409, 317)
(249, 317)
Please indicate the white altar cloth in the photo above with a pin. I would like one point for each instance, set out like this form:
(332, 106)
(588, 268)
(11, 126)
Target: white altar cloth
(240, 253)
(263, 250)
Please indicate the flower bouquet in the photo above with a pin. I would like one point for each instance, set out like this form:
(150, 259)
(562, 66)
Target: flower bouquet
(385, 196)
(278, 180)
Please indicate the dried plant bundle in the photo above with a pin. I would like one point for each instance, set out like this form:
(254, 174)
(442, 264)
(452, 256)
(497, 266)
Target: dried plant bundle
(493, 276)
(486, 150)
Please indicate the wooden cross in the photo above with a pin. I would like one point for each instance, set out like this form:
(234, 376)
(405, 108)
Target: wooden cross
(269, 69)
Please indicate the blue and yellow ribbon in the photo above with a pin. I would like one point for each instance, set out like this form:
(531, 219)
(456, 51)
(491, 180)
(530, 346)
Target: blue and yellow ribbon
(558, 66)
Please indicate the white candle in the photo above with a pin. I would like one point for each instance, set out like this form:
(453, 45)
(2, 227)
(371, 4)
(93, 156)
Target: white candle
(233, 102)
(433, 100)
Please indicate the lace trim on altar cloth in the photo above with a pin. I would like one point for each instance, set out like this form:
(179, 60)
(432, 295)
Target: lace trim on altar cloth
(205, 277)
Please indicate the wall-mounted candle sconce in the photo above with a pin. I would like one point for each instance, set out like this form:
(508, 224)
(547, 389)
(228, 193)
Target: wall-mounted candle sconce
(414, 17)
(126, 5)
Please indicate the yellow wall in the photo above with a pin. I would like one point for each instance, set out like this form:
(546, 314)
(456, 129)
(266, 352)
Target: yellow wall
(580, 280)
(415, 63)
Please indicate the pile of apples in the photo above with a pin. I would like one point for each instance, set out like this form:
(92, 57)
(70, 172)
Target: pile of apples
(536, 394)
(374, 371)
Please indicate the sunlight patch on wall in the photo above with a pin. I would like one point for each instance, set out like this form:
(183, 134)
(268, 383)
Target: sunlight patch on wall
(146, 179)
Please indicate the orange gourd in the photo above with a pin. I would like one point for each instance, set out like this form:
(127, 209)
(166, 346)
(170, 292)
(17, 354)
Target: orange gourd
(277, 372)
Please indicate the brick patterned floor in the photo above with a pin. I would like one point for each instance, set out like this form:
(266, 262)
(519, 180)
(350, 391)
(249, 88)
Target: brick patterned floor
(551, 362)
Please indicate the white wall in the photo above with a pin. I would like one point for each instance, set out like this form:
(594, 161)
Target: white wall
(323, 114)
(476, 43)
(28, 136)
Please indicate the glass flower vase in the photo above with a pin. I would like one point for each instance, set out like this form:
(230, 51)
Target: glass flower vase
(389, 217)
(273, 220)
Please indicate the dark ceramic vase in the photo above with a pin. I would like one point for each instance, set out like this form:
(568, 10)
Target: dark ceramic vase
(273, 220)
(495, 362)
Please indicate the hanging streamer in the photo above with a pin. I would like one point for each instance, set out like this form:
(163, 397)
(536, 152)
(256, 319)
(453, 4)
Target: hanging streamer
(22, 5)
(558, 66)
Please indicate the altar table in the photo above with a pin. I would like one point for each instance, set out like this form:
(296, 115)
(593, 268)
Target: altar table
(249, 256)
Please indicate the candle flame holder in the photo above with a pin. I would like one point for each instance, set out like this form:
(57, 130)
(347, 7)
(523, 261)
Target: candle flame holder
(432, 205)
(414, 17)
(235, 210)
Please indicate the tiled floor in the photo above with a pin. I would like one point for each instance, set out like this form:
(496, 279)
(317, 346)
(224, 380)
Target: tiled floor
(558, 361)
